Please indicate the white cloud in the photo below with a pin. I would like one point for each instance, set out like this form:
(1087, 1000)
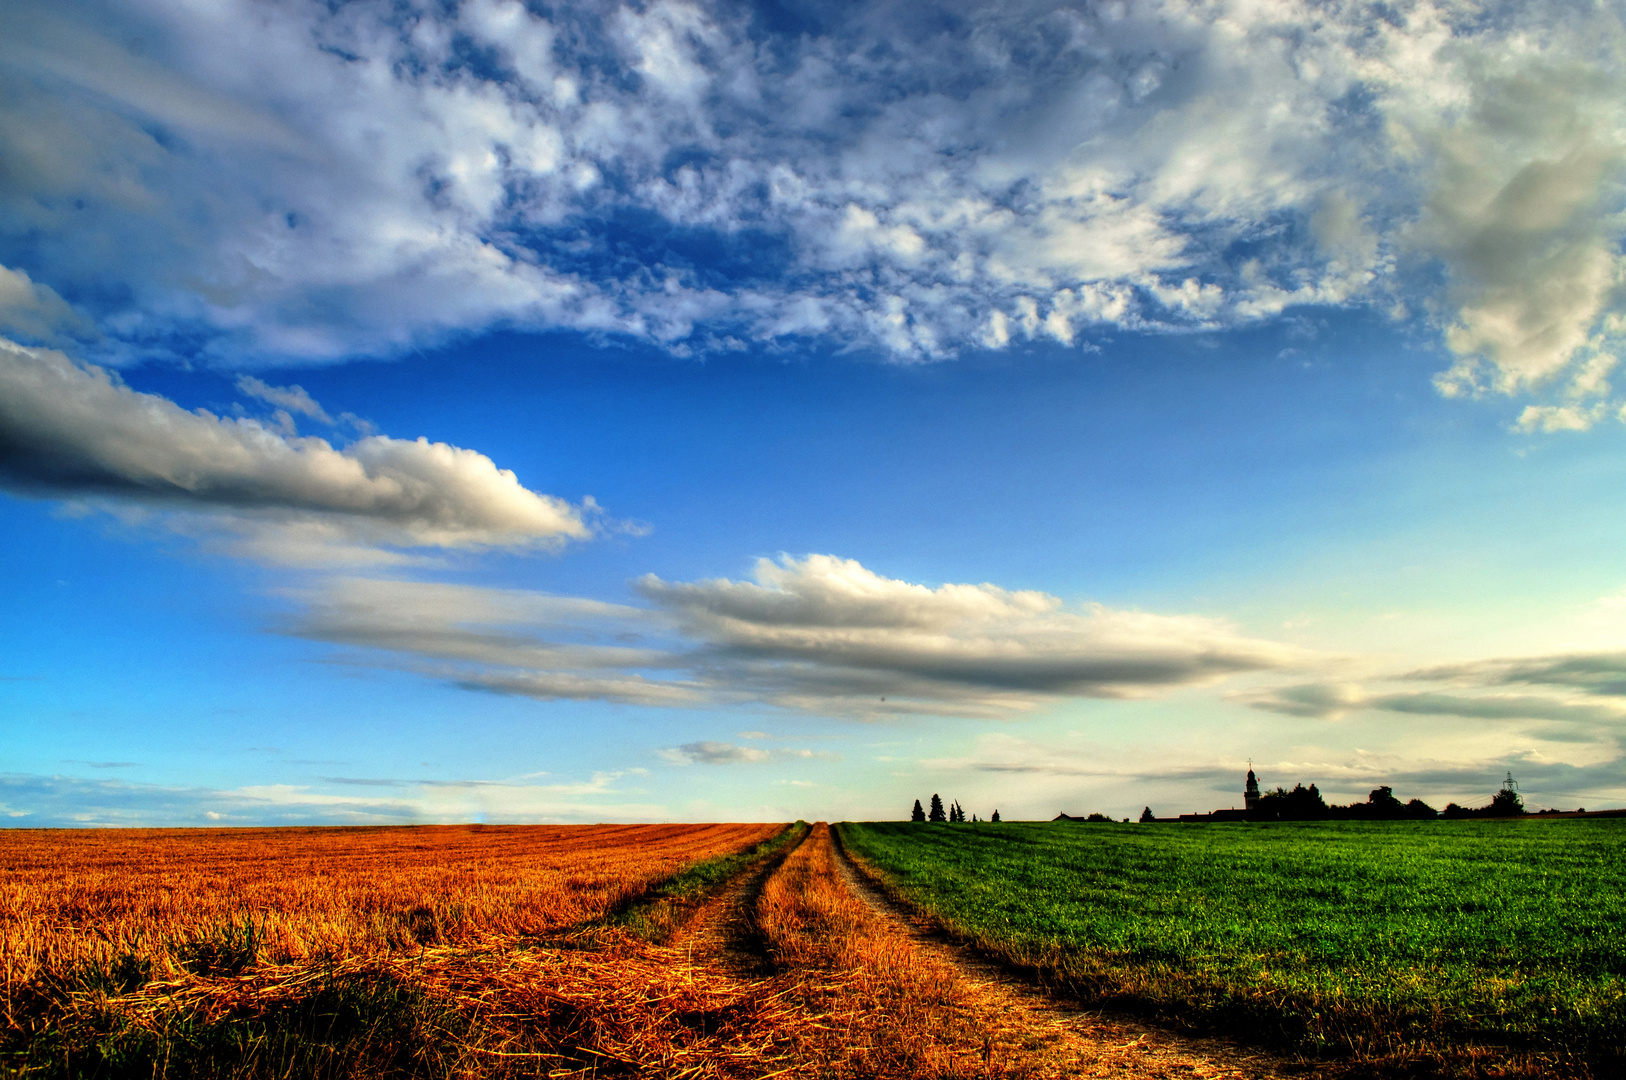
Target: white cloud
(830, 628)
(820, 635)
(77, 431)
(307, 180)
(1550, 418)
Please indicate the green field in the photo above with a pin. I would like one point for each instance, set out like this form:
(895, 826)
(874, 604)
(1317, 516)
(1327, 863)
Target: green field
(1449, 943)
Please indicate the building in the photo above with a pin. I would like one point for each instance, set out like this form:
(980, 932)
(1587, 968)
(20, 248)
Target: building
(1250, 796)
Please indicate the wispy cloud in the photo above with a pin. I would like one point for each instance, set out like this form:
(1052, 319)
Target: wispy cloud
(1599, 673)
(710, 752)
(714, 753)
(312, 180)
(294, 399)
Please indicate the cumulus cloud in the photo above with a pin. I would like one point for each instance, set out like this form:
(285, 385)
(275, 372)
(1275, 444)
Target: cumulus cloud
(314, 180)
(820, 634)
(75, 431)
(829, 627)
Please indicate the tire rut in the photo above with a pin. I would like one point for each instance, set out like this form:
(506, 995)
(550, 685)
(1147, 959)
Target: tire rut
(723, 932)
(1101, 1044)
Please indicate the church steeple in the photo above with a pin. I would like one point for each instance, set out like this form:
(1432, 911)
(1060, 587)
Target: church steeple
(1250, 794)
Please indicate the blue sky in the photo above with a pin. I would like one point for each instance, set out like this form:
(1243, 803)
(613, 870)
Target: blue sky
(672, 411)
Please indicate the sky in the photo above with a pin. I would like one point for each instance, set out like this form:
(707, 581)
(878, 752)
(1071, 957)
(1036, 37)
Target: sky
(500, 411)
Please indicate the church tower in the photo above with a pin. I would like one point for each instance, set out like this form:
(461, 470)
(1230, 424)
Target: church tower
(1250, 794)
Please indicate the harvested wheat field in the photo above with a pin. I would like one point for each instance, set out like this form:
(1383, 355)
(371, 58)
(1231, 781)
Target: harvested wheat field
(663, 951)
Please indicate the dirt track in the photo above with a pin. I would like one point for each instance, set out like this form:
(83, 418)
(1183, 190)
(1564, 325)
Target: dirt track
(723, 933)
(1068, 1040)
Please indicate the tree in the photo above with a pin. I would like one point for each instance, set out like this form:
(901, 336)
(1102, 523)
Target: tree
(937, 810)
(1300, 804)
(1420, 810)
(917, 814)
(995, 818)
(1506, 803)
(956, 815)
(1383, 805)
(1147, 815)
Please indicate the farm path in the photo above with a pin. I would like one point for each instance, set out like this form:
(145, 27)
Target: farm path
(723, 934)
(1082, 1042)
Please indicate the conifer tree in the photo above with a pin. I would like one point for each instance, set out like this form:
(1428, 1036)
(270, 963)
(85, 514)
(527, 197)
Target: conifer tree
(937, 809)
(995, 818)
(917, 814)
(1146, 815)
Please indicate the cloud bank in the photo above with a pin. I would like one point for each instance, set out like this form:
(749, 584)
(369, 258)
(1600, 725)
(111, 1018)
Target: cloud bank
(34, 801)
(1079, 778)
(71, 431)
(1555, 710)
(819, 634)
(310, 180)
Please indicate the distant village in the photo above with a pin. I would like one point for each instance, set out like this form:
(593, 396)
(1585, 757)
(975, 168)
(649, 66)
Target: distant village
(1303, 804)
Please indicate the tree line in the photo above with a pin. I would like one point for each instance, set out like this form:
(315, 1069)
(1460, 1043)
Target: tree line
(953, 815)
(1306, 804)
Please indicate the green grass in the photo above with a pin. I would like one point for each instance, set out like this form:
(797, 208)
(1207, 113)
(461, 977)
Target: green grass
(1438, 944)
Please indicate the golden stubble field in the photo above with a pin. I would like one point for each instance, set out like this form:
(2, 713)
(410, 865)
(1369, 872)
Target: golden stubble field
(663, 951)
(70, 898)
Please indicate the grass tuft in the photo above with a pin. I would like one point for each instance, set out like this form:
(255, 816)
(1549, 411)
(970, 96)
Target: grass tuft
(353, 1026)
(230, 948)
